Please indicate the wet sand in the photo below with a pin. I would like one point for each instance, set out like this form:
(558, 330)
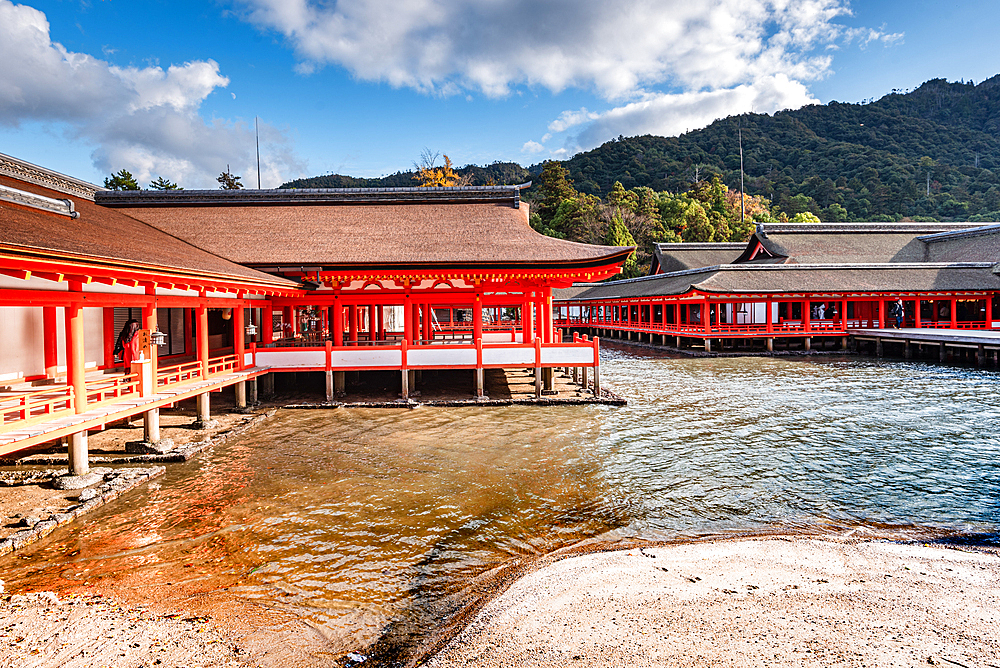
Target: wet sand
(760, 602)
(752, 602)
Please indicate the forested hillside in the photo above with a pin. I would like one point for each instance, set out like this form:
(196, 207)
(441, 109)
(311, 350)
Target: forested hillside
(931, 153)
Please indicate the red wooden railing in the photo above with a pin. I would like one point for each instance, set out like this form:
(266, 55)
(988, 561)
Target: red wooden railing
(25, 409)
(104, 390)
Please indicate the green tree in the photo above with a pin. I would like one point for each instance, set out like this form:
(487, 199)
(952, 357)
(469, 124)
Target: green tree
(163, 184)
(696, 225)
(805, 217)
(123, 180)
(618, 235)
(228, 181)
(554, 188)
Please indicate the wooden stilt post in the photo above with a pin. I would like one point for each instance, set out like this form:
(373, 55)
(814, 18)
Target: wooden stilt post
(78, 457)
(405, 372)
(538, 368)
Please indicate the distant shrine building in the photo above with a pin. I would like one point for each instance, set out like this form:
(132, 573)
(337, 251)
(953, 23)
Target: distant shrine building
(230, 287)
(236, 285)
(800, 286)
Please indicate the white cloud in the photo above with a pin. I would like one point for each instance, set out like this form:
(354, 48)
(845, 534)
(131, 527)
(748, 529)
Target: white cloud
(532, 147)
(143, 119)
(672, 114)
(617, 49)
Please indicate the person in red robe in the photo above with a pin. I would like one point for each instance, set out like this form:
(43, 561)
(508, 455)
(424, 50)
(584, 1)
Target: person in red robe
(128, 344)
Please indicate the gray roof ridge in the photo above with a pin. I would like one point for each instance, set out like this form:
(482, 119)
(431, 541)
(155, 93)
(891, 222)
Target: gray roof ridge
(124, 198)
(832, 228)
(62, 207)
(982, 230)
(23, 170)
(702, 245)
(842, 265)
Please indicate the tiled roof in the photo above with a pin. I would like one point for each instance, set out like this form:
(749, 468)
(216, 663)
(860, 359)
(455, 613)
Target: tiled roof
(340, 235)
(105, 236)
(810, 243)
(677, 257)
(764, 279)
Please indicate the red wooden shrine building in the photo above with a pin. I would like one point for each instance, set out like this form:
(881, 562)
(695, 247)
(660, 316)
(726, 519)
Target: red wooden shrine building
(237, 285)
(800, 285)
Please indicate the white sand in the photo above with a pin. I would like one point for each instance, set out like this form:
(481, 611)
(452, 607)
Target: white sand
(763, 602)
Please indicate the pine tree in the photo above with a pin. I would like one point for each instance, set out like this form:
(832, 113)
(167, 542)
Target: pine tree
(123, 180)
(228, 181)
(163, 184)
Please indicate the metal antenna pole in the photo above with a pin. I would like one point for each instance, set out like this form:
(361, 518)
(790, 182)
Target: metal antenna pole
(743, 214)
(256, 130)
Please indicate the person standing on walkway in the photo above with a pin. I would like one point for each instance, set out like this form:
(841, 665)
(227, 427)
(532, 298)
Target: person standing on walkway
(128, 344)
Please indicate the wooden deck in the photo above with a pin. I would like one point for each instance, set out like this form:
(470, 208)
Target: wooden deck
(66, 423)
(956, 338)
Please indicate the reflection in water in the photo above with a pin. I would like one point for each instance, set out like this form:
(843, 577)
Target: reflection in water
(360, 520)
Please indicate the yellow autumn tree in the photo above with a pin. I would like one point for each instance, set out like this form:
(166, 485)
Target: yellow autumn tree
(431, 176)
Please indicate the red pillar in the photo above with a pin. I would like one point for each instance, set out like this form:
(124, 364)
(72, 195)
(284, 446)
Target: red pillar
(916, 314)
(75, 372)
(989, 312)
(769, 318)
(266, 326)
(352, 322)
(380, 322)
(806, 316)
(238, 333)
(881, 313)
(477, 318)
(287, 322)
(954, 313)
(337, 325)
(50, 340)
(428, 332)
(372, 323)
(110, 335)
(526, 325)
(408, 320)
(202, 333)
(149, 322)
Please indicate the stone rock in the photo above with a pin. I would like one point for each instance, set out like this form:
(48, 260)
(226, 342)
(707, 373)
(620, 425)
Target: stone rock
(77, 481)
(28, 521)
(211, 424)
(88, 494)
(146, 448)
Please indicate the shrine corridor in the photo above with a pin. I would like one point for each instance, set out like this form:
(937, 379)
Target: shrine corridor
(370, 523)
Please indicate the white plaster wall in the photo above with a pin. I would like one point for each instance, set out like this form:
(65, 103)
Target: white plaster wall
(21, 334)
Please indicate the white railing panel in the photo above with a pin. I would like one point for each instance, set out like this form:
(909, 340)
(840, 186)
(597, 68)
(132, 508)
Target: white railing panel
(367, 357)
(440, 356)
(501, 337)
(247, 359)
(512, 356)
(564, 356)
(292, 358)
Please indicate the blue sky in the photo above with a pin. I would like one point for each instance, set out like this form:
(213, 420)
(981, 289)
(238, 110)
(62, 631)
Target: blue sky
(360, 87)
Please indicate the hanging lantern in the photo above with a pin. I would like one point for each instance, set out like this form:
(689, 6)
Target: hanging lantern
(227, 313)
(158, 338)
(250, 330)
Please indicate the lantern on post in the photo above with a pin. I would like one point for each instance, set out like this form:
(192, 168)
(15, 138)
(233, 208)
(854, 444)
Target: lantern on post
(158, 338)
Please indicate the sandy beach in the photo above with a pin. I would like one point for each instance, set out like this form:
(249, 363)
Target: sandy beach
(760, 602)
(752, 602)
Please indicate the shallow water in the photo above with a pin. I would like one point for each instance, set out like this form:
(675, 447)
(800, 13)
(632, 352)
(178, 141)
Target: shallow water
(366, 519)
